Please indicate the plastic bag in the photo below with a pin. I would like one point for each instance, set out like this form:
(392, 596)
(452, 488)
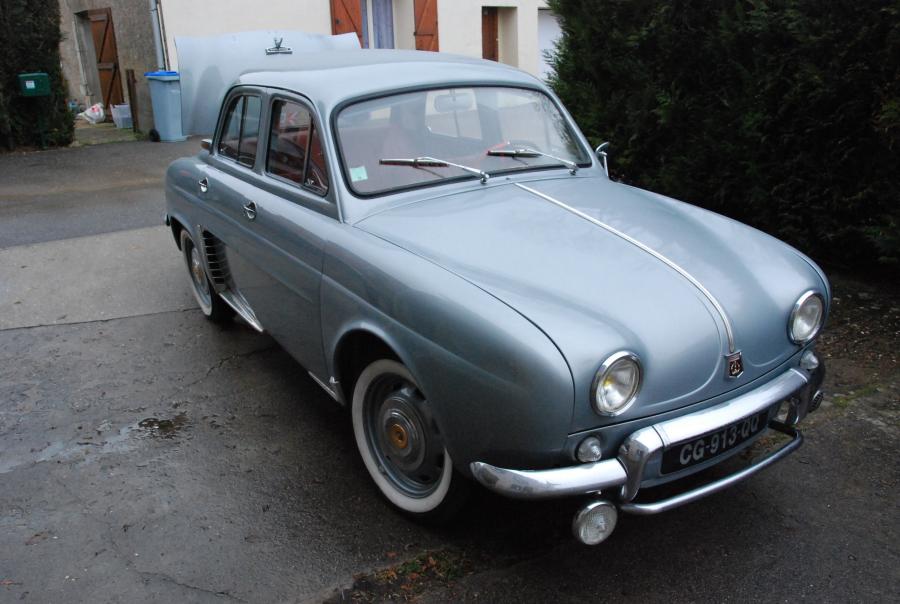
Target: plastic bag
(94, 114)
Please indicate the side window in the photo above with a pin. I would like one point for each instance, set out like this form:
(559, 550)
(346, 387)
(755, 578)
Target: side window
(316, 175)
(295, 150)
(240, 132)
(230, 139)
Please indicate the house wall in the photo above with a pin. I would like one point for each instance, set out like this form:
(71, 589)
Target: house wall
(134, 41)
(459, 24)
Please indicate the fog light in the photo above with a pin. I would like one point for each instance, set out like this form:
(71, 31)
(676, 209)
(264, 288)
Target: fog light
(809, 360)
(589, 450)
(595, 522)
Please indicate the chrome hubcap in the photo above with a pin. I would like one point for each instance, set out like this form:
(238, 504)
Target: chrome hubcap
(401, 436)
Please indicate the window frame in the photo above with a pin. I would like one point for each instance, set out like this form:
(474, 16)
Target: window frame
(315, 127)
(339, 143)
(234, 94)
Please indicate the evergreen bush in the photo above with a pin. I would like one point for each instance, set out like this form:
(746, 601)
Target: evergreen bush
(30, 33)
(784, 114)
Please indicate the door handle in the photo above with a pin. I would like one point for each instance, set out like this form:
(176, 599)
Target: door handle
(204, 184)
(250, 210)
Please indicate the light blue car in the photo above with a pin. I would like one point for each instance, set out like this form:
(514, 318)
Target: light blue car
(435, 242)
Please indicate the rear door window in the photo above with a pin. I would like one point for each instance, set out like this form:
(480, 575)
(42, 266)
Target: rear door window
(295, 150)
(240, 130)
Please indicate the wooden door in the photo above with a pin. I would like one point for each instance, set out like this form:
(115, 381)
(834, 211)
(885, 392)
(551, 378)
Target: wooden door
(107, 56)
(426, 32)
(346, 17)
(490, 34)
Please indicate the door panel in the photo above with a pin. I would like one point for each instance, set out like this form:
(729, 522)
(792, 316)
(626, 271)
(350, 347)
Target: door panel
(426, 28)
(105, 51)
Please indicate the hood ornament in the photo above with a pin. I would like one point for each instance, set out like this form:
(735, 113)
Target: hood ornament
(278, 49)
(735, 364)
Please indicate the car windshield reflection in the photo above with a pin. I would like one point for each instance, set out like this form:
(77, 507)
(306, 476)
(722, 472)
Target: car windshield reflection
(488, 129)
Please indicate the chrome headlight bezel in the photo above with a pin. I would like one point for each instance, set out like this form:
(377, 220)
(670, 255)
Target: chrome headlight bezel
(611, 362)
(795, 312)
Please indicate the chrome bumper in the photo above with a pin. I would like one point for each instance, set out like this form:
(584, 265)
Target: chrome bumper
(626, 472)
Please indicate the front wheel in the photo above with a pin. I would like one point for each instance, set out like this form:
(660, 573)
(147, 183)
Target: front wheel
(401, 446)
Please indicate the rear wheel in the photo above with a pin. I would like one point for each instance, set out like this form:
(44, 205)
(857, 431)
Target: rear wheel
(401, 446)
(213, 307)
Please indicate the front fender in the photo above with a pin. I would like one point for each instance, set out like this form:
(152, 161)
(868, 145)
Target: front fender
(499, 388)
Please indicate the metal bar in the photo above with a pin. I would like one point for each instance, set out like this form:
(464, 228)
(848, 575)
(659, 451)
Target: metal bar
(647, 509)
(557, 482)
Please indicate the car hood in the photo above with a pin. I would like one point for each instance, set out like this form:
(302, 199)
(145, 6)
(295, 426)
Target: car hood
(592, 292)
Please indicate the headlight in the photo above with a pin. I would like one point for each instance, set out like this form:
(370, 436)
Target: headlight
(806, 317)
(617, 383)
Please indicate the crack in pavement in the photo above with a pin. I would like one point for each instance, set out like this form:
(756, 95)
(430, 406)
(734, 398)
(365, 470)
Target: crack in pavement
(105, 320)
(221, 362)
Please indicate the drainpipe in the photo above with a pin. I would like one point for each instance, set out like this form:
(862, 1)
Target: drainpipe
(157, 36)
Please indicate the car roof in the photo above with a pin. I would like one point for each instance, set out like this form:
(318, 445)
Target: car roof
(330, 78)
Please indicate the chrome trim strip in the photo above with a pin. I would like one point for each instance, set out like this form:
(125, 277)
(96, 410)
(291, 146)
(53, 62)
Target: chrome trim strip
(240, 306)
(332, 392)
(627, 470)
(558, 482)
(646, 509)
(729, 332)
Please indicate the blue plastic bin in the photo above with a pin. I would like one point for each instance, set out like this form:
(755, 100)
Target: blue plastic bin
(165, 95)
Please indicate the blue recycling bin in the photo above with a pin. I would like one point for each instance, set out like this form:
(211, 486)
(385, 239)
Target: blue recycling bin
(165, 96)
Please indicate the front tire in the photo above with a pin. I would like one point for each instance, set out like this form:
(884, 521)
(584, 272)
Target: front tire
(401, 446)
(213, 307)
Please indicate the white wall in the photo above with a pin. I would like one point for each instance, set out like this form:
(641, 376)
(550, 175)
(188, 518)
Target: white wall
(459, 26)
(459, 23)
(206, 18)
(549, 32)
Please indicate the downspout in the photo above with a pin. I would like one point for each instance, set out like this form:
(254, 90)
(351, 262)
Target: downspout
(157, 35)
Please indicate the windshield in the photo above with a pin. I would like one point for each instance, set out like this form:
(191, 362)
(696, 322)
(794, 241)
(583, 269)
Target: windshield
(463, 127)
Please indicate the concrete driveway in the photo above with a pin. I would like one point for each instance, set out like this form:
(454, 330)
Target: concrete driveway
(147, 455)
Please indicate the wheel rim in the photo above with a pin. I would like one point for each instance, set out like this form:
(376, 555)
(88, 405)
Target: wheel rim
(407, 448)
(198, 276)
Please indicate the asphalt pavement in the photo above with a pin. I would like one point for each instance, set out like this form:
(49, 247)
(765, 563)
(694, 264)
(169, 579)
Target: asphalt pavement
(147, 455)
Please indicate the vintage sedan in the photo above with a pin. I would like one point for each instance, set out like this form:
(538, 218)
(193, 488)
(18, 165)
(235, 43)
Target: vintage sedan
(434, 241)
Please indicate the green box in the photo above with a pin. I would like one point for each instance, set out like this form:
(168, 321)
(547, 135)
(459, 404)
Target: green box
(34, 84)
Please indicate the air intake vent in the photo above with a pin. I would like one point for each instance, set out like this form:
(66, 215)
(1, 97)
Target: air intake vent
(215, 259)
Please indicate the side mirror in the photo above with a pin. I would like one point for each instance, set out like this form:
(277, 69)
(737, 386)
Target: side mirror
(602, 155)
(206, 143)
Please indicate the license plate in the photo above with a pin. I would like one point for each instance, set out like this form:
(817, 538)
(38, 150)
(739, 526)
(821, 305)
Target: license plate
(712, 444)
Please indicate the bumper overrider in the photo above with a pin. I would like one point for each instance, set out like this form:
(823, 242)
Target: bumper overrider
(638, 461)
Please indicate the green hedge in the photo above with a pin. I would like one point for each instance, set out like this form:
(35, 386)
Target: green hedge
(784, 114)
(30, 33)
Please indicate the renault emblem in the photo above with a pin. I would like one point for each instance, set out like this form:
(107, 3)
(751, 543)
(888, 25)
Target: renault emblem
(735, 364)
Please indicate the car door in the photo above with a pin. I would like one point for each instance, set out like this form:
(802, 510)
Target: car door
(284, 208)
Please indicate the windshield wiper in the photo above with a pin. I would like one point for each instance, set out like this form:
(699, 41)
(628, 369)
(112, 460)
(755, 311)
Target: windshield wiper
(529, 152)
(433, 162)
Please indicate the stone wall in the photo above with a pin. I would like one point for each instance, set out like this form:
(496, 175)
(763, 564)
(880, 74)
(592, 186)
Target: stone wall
(134, 41)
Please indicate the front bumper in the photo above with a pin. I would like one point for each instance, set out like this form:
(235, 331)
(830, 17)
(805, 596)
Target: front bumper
(643, 448)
